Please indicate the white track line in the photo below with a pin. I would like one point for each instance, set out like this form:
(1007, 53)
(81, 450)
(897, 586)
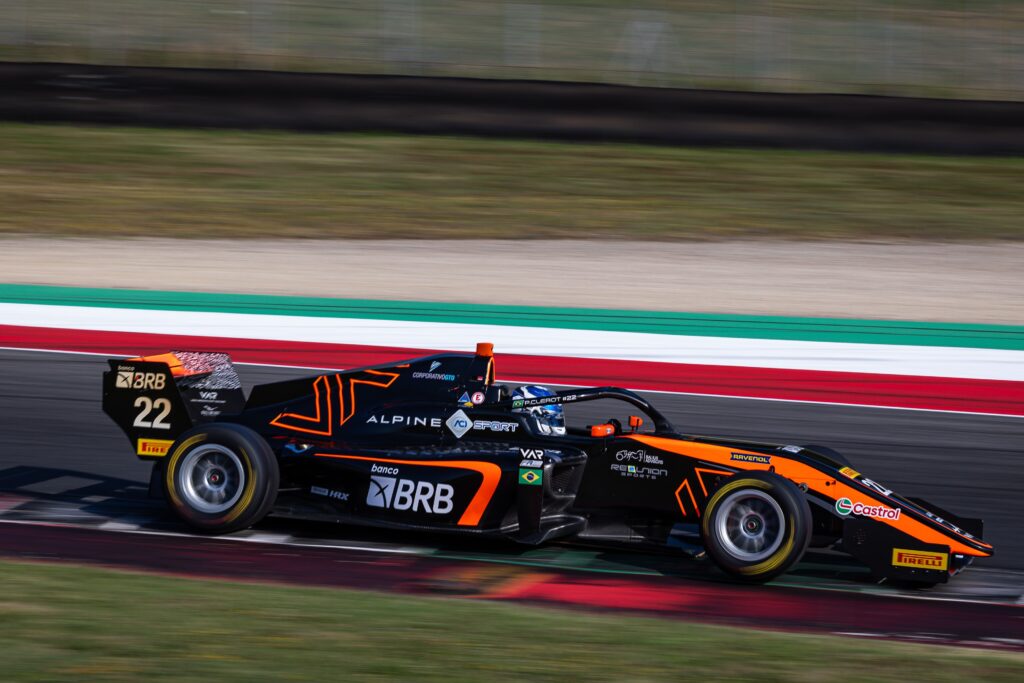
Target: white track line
(237, 539)
(925, 361)
(514, 380)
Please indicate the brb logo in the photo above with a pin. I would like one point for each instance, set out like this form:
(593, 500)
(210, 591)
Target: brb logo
(406, 494)
(127, 378)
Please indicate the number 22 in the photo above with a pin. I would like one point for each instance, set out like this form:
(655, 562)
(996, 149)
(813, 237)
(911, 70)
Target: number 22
(148, 406)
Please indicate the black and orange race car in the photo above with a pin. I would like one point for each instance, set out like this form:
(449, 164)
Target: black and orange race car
(436, 444)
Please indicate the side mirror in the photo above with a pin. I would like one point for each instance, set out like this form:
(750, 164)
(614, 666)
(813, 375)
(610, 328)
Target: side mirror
(635, 422)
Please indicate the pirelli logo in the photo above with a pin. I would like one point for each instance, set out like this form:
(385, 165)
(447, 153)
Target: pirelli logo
(919, 559)
(153, 447)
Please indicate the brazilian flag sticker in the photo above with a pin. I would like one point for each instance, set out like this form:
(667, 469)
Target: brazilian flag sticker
(530, 477)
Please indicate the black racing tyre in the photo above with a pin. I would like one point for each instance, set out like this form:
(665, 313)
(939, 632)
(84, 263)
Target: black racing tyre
(756, 526)
(221, 478)
(830, 453)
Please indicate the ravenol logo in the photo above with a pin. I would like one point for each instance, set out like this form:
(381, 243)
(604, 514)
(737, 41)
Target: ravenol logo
(752, 457)
(531, 477)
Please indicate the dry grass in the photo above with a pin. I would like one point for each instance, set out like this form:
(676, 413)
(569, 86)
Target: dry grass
(114, 626)
(111, 181)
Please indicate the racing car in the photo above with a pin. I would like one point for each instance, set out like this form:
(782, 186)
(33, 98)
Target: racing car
(437, 444)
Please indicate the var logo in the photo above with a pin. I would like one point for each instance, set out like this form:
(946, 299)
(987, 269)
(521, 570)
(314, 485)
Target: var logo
(405, 494)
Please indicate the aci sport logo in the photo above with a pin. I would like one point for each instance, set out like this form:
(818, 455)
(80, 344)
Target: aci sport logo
(459, 423)
(845, 507)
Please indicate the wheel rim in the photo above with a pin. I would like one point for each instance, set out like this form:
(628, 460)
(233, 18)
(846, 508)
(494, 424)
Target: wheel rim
(211, 478)
(750, 525)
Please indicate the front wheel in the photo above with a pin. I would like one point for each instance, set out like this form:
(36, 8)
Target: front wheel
(221, 478)
(756, 526)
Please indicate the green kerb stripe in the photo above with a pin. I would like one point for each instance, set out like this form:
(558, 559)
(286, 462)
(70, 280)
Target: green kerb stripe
(1009, 337)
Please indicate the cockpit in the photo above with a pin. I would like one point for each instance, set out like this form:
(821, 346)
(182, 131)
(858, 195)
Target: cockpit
(597, 412)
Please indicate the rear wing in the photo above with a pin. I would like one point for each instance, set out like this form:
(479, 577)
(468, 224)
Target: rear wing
(156, 398)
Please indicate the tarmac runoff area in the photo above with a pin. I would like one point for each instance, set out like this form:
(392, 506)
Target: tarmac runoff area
(980, 283)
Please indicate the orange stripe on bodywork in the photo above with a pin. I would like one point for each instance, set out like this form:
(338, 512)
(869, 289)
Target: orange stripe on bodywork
(800, 473)
(348, 412)
(703, 487)
(324, 416)
(679, 499)
(317, 419)
(475, 510)
(698, 470)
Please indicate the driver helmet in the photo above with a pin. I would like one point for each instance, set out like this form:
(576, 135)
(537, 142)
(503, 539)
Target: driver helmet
(550, 419)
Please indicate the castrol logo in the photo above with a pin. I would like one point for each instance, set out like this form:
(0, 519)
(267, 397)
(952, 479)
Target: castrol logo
(845, 507)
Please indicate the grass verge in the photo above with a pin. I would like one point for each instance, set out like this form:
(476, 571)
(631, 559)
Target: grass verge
(186, 183)
(66, 622)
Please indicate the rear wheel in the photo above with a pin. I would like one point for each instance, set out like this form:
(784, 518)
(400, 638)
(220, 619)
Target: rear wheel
(221, 478)
(756, 526)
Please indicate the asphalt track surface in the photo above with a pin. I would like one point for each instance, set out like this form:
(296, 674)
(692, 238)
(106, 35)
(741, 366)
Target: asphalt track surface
(56, 438)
